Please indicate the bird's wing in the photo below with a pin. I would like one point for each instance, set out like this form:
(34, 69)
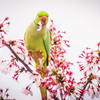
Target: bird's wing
(47, 44)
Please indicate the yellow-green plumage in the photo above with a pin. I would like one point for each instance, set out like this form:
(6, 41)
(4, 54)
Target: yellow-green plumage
(39, 40)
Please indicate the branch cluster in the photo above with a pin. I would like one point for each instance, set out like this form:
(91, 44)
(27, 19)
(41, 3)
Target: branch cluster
(59, 80)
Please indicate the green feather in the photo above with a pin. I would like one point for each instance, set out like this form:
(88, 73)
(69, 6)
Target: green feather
(39, 40)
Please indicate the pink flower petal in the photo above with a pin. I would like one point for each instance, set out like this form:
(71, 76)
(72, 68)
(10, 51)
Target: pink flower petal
(27, 91)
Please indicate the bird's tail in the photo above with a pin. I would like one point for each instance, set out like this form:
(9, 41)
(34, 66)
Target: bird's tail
(43, 92)
(43, 89)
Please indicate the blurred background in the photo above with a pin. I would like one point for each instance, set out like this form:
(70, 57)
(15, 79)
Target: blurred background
(79, 18)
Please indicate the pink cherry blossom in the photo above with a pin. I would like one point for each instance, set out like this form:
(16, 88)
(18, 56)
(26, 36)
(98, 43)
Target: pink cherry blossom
(1, 90)
(59, 80)
(52, 21)
(6, 69)
(36, 77)
(1, 25)
(98, 44)
(6, 18)
(27, 91)
(4, 94)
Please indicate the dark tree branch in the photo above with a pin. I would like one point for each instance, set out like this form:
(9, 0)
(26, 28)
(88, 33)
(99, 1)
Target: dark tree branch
(17, 57)
(31, 71)
(88, 81)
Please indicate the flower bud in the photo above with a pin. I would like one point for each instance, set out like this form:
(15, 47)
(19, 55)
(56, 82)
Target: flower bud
(6, 18)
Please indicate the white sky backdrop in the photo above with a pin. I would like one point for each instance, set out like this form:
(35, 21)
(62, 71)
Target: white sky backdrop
(79, 18)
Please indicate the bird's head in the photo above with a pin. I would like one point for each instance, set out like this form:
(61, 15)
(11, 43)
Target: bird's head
(42, 17)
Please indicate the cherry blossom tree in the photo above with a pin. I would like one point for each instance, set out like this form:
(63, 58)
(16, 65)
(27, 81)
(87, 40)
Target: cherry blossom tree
(59, 81)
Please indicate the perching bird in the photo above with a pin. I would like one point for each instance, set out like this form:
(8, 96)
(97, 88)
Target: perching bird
(38, 37)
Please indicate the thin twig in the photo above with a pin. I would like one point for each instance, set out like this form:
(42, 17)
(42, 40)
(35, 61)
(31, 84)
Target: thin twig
(88, 81)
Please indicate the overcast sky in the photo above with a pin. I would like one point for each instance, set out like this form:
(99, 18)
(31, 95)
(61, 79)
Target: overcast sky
(79, 18)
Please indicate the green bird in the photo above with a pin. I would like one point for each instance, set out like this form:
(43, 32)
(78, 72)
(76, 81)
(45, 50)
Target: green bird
(38, 37)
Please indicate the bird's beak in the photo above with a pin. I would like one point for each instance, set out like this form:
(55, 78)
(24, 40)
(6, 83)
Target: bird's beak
(43, 20)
